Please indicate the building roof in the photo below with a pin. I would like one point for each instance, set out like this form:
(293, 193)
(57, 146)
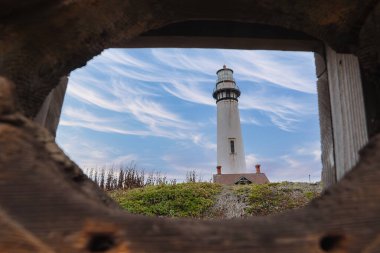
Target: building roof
(230, 179)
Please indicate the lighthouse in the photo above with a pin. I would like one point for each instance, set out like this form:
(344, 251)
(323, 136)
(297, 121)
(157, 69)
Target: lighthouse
(231, 168)
(230, 149)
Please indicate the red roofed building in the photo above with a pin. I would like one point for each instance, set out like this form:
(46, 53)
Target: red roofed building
(240, 178)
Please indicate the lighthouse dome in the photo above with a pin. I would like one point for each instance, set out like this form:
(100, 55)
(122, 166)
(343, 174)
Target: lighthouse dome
(225, 88)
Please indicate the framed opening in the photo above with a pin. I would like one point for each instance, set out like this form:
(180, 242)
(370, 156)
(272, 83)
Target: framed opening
(278, 110)
(153, 109)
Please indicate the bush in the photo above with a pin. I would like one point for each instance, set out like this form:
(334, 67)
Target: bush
(179, 200)
(276, 197)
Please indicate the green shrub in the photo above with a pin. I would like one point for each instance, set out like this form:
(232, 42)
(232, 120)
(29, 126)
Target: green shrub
(275, 197)
(180, 200)
(311, 195)
(263, 199)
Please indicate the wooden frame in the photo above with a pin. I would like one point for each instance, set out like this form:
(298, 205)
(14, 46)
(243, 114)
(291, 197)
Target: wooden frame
(47, 204)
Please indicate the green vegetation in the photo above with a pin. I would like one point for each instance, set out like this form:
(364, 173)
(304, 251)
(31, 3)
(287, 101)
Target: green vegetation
(208, 200)
(153, 194)
(177, 200)
(276, 197)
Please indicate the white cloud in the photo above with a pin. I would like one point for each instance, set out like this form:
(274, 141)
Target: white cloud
(125, 159)
(156, 119)
(273, 68)
(113, 56)
(203, 141)
(189, 92)
(250, 120)
(310, 150)
(84, 152)
(81, 114)
(251, 160)
(190, 76)
(181, 59)
(290, 168)
(100, 128)
(296, 165)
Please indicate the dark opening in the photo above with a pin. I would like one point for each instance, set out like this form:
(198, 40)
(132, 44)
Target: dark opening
(100, 243)
(331, 242)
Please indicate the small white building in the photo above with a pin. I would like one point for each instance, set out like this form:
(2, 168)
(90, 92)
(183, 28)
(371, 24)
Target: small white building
(230, 149)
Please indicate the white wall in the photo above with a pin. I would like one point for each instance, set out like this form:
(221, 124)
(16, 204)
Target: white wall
(229, 127)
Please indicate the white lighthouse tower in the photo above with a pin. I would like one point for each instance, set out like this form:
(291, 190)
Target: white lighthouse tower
(230, 149)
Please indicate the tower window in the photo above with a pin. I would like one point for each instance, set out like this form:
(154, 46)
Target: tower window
(232, 146)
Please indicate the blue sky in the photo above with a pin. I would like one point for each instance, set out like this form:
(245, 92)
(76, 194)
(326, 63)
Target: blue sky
(154, 107)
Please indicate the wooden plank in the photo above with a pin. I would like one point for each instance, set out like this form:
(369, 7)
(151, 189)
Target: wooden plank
(50, 111)
(325, 123)
(14, 238)
(347, 105)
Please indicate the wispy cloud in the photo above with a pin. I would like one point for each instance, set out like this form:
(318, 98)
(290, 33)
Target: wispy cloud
(125, 159)
(203, 141)
(274, 68)
(88, 153)
(249, 120)
(251, 160)
(297, 164)
(190, 92)
(154, 117)
(310, 150)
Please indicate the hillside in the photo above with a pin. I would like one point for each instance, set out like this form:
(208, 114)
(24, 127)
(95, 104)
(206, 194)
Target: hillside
(208, 200)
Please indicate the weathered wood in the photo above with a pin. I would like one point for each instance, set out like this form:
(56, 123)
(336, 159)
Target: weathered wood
(348, 115)
(14, 238)
(368, 52)
(50, 198)
(325, 123)
(50, 111)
